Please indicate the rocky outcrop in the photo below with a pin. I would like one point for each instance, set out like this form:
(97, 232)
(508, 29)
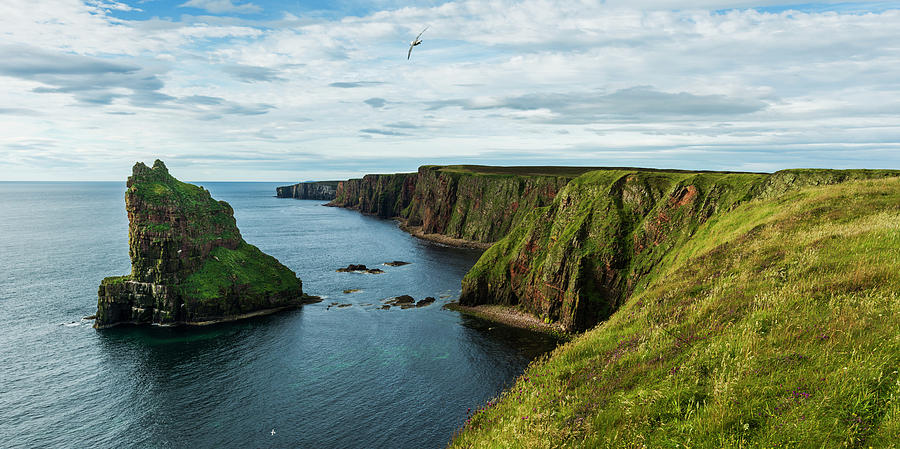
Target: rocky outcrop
(189, 263)
(315, 190)
(574, 262)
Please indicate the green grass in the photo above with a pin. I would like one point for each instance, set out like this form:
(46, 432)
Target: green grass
(774, 324)
(537, 170)
(245, 269)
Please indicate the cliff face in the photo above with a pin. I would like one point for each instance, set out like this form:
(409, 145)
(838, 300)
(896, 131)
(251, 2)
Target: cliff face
(469, 203)
(482, 207)
(577, 260)
(319, 190)
(188, 260)
(383, 195)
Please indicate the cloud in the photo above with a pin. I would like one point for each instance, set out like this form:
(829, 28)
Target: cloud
(635, 103)
(354, 84)
(250, 74)
(18, 111)
(376, 102)
(699, 85)
(382, 132)
(92, 81)
(222, 6)
(403, 125)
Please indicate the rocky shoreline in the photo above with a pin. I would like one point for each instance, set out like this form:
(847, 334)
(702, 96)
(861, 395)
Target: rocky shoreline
(510, 316)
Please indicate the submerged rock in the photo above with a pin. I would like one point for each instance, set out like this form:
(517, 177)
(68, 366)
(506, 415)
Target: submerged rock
(189, 263)
(396, 263)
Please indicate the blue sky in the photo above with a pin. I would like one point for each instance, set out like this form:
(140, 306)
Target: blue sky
(302, 90)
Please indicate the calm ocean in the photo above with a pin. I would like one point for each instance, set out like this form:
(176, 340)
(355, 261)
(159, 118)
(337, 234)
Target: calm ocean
(352, 377)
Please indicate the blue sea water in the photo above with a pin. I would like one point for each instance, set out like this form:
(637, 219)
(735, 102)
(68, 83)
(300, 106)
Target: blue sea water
(352, 377)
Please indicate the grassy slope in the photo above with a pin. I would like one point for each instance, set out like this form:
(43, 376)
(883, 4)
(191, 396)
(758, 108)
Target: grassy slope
(774, 325)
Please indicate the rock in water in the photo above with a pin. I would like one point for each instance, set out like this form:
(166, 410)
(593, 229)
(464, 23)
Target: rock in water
(189, 263)
(425, 302)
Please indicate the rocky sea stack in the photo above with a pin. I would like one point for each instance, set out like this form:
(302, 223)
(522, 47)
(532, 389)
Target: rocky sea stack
(189, 264)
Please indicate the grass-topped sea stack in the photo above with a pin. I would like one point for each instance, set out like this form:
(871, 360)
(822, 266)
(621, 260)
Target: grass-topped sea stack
(189, 264)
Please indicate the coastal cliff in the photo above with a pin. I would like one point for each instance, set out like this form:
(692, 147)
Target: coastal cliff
(315, 190)
(576, 261)
(386, 196)
(743, 311)
(189, 263)
(459, 204)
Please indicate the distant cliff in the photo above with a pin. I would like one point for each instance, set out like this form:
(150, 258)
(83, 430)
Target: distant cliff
(465, 203)
(577, 260)
(315, 190)
(189, 263)
(386, 196)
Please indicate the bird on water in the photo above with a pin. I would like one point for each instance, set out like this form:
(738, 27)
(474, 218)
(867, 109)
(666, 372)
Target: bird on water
(415, 42)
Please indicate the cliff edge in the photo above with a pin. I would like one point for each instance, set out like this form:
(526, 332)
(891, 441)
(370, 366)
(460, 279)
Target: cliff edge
(575, 262)
(189, 264)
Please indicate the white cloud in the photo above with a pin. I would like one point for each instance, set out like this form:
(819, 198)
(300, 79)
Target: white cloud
(496, 82)
(222, 6)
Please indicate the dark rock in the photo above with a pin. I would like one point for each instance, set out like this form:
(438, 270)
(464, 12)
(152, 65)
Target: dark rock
(351, 290)
(396, 263)
(351, 268)
(374, 271)
(309, 299)
(344, 305)
(385, 307)
(90, 317)
(425, 302)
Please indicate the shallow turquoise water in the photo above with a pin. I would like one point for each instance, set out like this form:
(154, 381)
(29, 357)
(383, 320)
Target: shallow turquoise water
(348, 377)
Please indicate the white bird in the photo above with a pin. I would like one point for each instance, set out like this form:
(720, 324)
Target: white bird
(415, 42)
(273, 432)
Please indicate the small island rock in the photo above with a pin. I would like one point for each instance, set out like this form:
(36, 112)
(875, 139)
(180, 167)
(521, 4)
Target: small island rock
(189, 264)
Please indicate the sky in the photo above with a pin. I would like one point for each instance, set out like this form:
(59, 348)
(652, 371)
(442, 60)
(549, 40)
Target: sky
(266, 90)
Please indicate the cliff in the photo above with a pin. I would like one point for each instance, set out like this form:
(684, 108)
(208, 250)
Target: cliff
(747, 311)
(383, 195)
(189, 263)
(316, 190)
(579, 259)
(467, 203)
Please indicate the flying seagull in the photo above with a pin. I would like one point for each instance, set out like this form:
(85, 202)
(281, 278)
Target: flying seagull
(415, 42)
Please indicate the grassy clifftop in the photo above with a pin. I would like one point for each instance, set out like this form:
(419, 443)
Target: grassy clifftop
(771, 322)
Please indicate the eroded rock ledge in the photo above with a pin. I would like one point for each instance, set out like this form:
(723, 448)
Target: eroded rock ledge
(189, 264)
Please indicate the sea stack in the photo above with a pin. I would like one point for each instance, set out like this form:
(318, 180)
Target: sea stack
(189, 264)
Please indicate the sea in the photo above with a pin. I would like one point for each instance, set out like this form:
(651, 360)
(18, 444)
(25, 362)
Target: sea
(318, 377)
